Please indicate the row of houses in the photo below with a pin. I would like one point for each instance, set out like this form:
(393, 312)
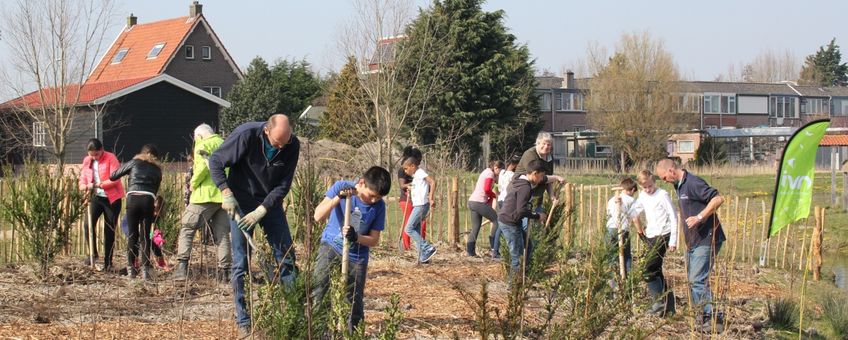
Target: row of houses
(754, 119)
(159, 80)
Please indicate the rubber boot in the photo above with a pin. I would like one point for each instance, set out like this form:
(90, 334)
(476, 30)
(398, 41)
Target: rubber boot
(655, 291)
(132, 272)
(471, 249)
(181, 273)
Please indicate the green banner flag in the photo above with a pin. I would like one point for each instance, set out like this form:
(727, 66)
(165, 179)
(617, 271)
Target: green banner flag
(793, 191)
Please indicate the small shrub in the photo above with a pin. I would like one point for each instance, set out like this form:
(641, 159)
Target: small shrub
(836, 314)
(783, 314)
(43, 207)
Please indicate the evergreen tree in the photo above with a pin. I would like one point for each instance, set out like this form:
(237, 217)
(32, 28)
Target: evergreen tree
(482, 79)
(825, 67)
(349, 117)
(287, 87)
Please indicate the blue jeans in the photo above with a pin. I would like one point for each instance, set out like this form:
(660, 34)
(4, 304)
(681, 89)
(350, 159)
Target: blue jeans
(413, 226)
(612, 236)
(700, 261)
(276, 229)
(326, 262)
(515, 239)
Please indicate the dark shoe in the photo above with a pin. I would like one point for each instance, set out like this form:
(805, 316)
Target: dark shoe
(224, 276)
(471, 249)
(132, 272)
(146, 273)
(181, 273)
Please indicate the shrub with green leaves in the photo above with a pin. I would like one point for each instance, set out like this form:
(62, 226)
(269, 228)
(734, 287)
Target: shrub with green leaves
(42, 206)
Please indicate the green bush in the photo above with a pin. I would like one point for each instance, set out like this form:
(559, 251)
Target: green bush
(783, 314)
(836, 314)
(43, 207)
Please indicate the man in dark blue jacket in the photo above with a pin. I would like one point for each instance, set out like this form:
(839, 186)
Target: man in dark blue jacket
(698, 203)
(261, 158)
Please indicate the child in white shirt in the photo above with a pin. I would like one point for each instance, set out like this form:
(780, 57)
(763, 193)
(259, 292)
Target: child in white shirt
(660, 234)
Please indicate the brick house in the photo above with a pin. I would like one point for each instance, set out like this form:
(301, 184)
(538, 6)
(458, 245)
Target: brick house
(155, 83)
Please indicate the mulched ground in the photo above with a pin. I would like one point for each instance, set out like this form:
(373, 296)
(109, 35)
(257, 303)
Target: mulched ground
(80, 303)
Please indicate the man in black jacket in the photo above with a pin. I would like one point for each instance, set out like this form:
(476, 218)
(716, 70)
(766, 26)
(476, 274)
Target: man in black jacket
(516, 207)
(261, 157)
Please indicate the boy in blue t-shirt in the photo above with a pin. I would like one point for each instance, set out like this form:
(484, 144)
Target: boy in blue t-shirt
(367, 220)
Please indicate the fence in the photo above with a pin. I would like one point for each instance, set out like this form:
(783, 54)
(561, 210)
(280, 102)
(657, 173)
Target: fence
(744, 222)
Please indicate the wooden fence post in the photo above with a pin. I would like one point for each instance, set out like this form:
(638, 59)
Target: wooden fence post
(453, 214)
(816, 243)
(569, 211)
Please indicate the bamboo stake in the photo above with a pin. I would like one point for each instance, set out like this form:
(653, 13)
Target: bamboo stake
(736, 224)
(785, 243)
(819, 216)
(745, 232)
(580, 213)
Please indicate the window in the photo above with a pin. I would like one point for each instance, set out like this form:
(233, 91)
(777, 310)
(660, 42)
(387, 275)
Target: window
(687, 103)
(782, 107)
(545, 102)
(578, 128)
(206, 52)
(815, 106)
(720, 103)
(686, 146)
(564, 101)
(39, 134)
(602, 150)
(120, 55)
(840, 107)
(189, 52)
(154, 52)
(214, 90)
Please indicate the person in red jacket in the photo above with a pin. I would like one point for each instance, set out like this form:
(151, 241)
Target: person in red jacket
(480, 204)
(105, 199)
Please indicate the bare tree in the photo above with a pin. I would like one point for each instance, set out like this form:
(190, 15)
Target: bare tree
(769, 66)
(374, 37)
(54, 45)
(632, 96)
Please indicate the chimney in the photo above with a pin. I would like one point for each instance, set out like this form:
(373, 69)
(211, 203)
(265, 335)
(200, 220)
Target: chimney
(569, 80)
(195, 9)
(132, 20)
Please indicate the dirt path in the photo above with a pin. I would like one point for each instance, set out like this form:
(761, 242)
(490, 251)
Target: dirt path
(85, 304)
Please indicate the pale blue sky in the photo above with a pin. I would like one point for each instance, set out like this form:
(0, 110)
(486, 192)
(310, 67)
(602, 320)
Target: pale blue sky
(704, 37)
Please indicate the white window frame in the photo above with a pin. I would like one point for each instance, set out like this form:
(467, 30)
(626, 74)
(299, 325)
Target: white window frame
(212, 90)
(120, 55)
(783, 107)
(689, 149)
(189, 52)
(156, 50)
(39, 134)
(687, 103)
(720, 103)
(607, 148)
(816, 106)
(206, 52)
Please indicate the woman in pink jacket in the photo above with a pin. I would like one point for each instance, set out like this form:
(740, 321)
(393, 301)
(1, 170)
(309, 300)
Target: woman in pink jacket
(105, 197)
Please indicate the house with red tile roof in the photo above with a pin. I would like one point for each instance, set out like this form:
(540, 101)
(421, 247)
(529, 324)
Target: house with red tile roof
(155, 84)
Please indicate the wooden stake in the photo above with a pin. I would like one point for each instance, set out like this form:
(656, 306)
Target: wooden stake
(816, 244)
(346, 246)
(569, 210)
(785, 243)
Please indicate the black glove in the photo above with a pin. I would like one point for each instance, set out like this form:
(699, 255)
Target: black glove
(347, 192)
(351, 234)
